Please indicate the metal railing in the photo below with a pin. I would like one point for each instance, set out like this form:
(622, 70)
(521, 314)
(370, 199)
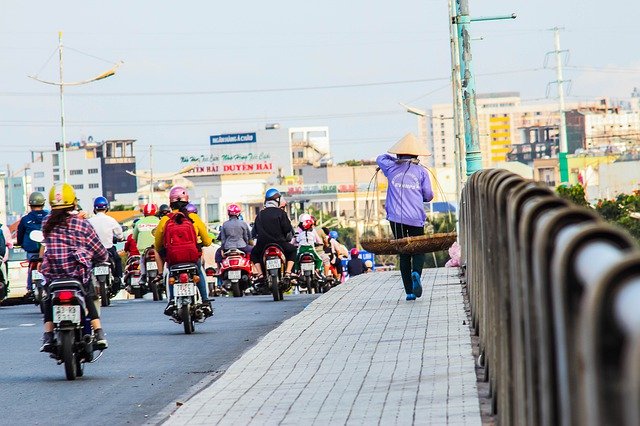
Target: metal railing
(554, 293)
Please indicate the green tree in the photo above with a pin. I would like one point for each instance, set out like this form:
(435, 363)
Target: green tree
(574, 193)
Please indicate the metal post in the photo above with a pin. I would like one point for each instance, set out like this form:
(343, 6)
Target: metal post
(458, 124)
(562, 155)
(64, 140)
(150, 174)
(473, 155)
(355, 205)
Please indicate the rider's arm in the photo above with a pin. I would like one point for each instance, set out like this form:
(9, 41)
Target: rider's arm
(117, 231)
(246, 233)
(201, 229)
(159, 234)
(21, 231)
(135, 232)
(223, 235)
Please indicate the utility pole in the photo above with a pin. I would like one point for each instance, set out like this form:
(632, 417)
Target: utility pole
(355, 205)
(562, 155)
(473, 155)
(150, 174)
(61, 84)
(458, 123)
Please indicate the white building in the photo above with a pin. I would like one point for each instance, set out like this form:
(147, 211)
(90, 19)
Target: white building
(94, 169)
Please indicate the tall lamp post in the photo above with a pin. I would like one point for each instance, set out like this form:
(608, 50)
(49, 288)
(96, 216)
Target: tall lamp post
(61, 84)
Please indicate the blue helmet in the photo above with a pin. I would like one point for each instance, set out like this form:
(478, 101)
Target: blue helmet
(272, 194)
(100, 203)
(333, 234)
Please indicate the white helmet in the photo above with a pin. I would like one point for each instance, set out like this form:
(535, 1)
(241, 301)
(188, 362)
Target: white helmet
(304, 216)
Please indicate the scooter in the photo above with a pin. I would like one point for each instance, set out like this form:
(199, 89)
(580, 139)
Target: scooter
(183, 278)
(309, 277)
(274, 264)
(37, 283)
(149, 259)
(103, 282)
(132, 278)
(235, 271)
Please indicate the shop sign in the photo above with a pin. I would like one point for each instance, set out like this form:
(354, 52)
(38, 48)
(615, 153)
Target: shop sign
(232, 138)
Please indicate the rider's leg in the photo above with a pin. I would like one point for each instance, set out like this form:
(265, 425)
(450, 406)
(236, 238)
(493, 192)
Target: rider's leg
(202, 284)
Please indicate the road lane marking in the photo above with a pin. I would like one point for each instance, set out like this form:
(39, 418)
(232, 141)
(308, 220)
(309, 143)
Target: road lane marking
(26, 325)
(3, 329)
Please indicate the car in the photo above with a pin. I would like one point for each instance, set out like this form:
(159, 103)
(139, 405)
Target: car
(16, 270)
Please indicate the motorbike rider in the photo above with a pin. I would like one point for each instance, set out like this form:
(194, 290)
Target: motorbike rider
(272, 226)
(163, 210)
(107, 229)
(143, 234)
(31, 222)
(72, 247)
(307, 239)
(338, 252)
(234, 233)
(130, 244)
(355, 265)
(178, 200)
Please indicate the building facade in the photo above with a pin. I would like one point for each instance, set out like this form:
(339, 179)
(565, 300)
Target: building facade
(94, 169)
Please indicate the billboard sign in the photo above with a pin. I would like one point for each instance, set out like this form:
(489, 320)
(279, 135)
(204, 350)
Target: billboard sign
(232, 138)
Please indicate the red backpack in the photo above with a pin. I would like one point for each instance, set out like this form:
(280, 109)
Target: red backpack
(180, 240)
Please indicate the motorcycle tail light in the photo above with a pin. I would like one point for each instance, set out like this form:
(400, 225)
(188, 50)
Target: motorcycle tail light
(172, 280)
(24, 264)
(272, 251)
(184, 278)
(196, 279)
(210, 272)
(65, 296)
(234, 262)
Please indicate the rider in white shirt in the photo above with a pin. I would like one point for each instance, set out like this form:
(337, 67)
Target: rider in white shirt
(107, 229)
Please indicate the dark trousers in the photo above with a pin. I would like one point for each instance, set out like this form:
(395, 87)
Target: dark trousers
(408, 263)
(117, 262)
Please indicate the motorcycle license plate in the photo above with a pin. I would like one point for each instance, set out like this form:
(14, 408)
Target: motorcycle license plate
(101, 270)
(135, 281)
(274, 263)
(307, 266)
(36, 275)
(234, 275)
(152, 266)
(184, 289)
(66, 313)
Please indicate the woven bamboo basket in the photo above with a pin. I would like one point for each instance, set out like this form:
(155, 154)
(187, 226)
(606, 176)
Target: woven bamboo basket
(410, 245)
(425, 243)
(379, 246)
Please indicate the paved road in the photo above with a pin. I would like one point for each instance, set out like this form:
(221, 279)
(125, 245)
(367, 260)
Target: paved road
(149, 365)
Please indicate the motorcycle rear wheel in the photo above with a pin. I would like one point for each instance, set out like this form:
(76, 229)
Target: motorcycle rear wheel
(68, 356)
(274, 285)
(185, 315)
(104, 295)
(235, 289)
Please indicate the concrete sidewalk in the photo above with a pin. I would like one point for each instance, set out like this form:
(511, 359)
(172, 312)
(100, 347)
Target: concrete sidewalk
(358, 354)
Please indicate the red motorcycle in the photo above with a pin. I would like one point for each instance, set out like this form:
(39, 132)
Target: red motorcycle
(235, 271)
(132, 277)
(274, 262)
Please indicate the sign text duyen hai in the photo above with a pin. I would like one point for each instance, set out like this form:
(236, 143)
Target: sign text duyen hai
(232, 138)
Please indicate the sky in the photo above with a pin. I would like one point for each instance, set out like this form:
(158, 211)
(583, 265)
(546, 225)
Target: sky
(196, 68)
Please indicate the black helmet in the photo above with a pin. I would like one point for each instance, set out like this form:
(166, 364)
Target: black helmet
(36, 199)
(163, 210)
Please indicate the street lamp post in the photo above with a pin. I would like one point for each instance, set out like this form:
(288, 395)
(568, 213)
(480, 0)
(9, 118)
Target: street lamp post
(61, 84)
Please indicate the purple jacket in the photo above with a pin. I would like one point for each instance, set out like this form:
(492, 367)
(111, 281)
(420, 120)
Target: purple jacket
(409, 187)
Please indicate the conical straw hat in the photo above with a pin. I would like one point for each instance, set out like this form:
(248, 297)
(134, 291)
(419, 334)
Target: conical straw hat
(409, 145)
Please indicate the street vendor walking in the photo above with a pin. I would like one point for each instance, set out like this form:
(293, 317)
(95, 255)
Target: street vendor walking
(409, 187)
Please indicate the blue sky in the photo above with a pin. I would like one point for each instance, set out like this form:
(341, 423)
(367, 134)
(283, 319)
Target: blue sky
(196, 68)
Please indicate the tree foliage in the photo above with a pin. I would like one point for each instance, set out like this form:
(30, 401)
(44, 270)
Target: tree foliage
(574, 193)
(619, 211)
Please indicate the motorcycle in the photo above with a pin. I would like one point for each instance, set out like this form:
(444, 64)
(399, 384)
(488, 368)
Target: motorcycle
(235, 271)
(103, 282)
(274, 264)
(149, 256)
(73, 336)
(132, 277)
(183, 277)
(37, 283)
(308, 276)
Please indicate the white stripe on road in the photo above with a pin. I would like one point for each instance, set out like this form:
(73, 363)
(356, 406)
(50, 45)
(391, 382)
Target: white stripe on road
(26, 325)
(3, 329)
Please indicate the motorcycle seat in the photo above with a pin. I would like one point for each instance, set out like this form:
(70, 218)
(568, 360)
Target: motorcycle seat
(182, 266)
(65, 284)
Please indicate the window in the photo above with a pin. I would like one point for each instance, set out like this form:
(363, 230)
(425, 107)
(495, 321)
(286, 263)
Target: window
(92, 171)
(40, 188)
(94, 185)
(56, 160)
(76, 172)
(38, 175)
(294, 172)
(299, 172)
(56, 178)
(293, 155)
(300, 154)
(80, 186)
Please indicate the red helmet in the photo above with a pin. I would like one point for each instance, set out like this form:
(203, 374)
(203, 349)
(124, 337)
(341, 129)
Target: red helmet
(150, 209)
(178, 193)
(354, 252)
(234, 210)
(307, 224)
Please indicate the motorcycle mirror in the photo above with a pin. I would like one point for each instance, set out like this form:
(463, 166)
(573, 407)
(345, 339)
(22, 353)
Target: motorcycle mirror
(36, 236)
